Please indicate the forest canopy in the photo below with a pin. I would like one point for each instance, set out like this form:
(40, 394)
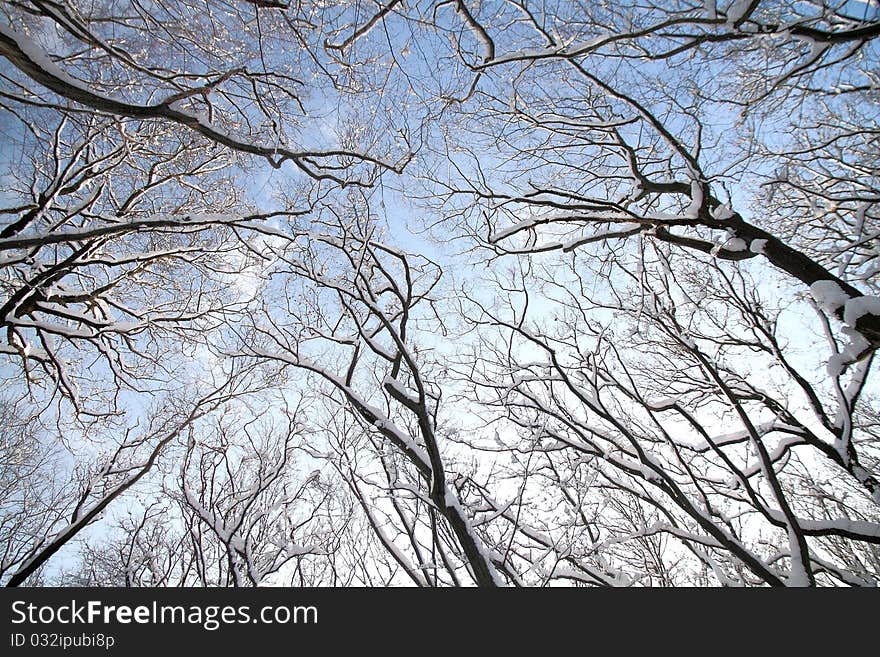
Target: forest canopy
(439, 293)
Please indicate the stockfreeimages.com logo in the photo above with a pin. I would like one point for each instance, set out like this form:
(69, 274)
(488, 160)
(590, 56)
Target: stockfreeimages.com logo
(210, 617)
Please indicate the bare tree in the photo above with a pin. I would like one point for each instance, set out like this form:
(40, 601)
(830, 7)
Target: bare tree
(358, 300)
(126, 237)
(618, 155)
(649, 128)
(98, 479)
(239, 493)
(687, 405)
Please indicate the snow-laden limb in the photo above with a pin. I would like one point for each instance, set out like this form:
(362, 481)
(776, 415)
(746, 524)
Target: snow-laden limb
(397, 554)
(722, 212)
(857, 313)
(697, 199)
(476, 29)
(757, 246)
(829, 295)
(735, 437)
(453, 504)
(115, 226)
(364, 29)
(855, 309)
(738, 11)
(730, 244)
